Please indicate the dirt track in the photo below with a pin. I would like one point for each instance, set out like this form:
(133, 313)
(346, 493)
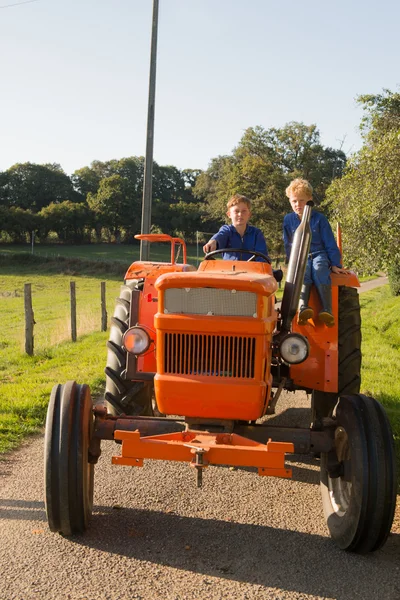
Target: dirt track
(154, 535)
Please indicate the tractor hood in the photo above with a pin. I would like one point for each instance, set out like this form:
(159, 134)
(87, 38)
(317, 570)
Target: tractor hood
(262, 284)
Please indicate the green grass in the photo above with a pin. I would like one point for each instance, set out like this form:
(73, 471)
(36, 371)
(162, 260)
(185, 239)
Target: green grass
(27, 383)
(123, 253)
(381, 352)
(51, 305)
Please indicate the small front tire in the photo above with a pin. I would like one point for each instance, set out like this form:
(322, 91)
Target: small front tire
(69, 476)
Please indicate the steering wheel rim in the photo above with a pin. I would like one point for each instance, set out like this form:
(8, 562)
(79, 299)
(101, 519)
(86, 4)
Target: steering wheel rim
(254, 253)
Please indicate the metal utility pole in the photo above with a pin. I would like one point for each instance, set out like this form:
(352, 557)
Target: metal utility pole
(148, 165)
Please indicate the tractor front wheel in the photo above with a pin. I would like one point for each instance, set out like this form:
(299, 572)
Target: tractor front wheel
(358, 478)
(68, 473)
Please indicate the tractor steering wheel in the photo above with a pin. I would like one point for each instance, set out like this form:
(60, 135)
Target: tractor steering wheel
(254, 254)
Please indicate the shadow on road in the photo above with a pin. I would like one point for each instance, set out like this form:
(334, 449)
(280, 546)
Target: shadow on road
(284, 559)
(293, 561)
(22, 510)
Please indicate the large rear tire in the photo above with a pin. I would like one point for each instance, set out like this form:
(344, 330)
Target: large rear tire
(69, 475)
(349, 357)
(123, 395)
(359, 491)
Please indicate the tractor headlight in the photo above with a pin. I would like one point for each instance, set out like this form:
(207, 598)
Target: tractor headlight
(136, 340)
(294, 348)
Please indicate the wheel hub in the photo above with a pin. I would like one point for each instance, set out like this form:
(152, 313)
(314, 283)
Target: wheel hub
(340, 487)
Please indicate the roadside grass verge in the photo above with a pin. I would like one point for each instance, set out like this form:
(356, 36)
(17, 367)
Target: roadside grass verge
(380, 379)
(27, 383)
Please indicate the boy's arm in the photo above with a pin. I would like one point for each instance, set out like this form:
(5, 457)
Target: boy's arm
(220, 240)
(331, 247)
(287, 237)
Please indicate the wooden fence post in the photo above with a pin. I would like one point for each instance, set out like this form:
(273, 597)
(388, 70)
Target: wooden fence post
(103, 307)
(29, 319)
(73, 310)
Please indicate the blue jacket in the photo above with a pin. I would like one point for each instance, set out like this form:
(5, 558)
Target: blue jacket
(253, 239)
(322, 238)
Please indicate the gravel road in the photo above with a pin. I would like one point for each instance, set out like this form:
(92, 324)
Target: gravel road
(154, 535)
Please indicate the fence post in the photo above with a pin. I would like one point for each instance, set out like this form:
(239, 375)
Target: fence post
(73, 310)
(29, 319)
(103, 307)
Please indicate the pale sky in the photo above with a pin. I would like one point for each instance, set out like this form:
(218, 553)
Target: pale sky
(74, 75)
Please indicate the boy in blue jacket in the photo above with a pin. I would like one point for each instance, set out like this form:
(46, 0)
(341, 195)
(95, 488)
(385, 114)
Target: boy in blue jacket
(324, 254)
(239, 234)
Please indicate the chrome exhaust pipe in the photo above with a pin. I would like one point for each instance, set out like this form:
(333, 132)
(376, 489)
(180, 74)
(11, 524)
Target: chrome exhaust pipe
(296, 269)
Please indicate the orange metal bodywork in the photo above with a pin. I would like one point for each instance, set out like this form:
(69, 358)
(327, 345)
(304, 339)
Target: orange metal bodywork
(210, 393)
(163, 237)
(200, 369)
(216, 449)
(320, 370)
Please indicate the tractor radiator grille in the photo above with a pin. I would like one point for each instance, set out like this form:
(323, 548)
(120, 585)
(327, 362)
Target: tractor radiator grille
(212, 355)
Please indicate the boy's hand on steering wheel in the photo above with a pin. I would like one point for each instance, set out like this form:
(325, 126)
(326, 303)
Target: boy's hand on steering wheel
(210, 246)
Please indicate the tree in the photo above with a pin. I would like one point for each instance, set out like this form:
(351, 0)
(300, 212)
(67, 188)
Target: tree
(18, 223)
(32, 187)
(366, 200)
(87, 180)
(115, 208)
(69, 220)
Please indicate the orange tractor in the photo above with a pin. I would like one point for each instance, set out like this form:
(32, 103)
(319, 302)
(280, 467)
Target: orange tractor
(211, 346)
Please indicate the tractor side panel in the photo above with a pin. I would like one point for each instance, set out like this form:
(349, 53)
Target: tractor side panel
(320, 370)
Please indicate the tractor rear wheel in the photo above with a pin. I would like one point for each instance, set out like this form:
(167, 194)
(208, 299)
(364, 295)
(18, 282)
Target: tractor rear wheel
(358, 478)
(68, 472)
(349, 357)
(122, 395)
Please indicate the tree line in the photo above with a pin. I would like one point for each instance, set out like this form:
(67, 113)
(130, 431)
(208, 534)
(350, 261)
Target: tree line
(102, 202)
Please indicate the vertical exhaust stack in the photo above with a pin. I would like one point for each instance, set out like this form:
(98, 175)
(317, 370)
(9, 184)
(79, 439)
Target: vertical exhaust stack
(296, 269)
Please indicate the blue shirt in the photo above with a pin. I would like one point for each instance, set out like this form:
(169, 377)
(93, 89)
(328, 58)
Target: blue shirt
(253, 239)
(322, 238)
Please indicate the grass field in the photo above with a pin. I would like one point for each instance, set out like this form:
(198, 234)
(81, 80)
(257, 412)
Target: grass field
(26, 382)
(123, 253)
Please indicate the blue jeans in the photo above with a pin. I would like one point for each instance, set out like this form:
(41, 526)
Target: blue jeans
(318, 270)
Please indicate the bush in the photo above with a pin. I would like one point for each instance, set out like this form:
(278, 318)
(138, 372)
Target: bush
(394, 277)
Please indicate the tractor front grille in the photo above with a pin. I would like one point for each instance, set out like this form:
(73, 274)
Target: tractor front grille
(210, 355)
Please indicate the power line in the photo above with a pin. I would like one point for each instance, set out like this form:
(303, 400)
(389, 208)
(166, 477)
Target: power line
(18, 3)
